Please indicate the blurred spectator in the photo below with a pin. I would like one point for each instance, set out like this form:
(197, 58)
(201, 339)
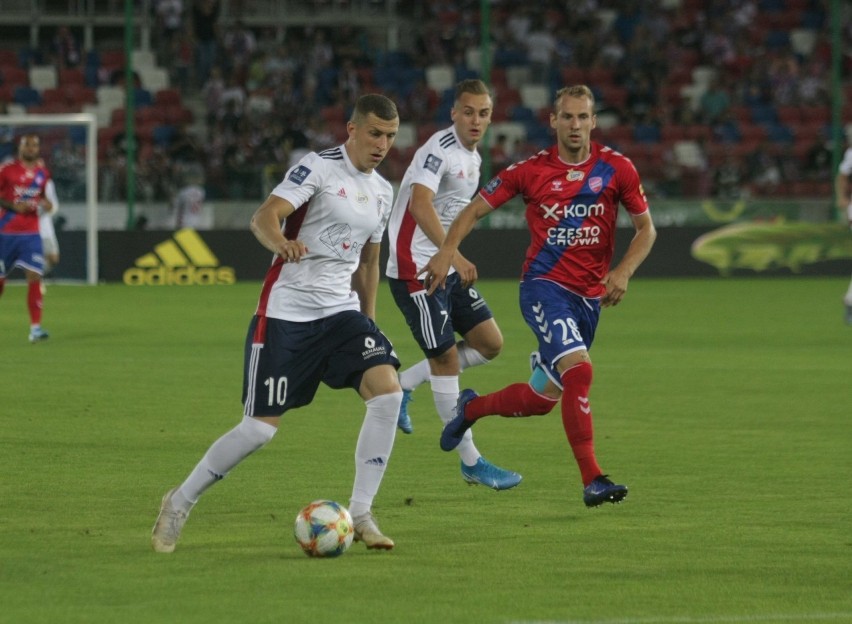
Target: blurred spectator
(238, 45)
(504, 152)
(714, 102)
(817, 165)
(183, 50)
(728, 178)
(205, 18)
(813, 86)
(763, 169)
(66, 49)
(169, 14)
(68, 166)
(541, 50)
(184, 149)
(784, 79)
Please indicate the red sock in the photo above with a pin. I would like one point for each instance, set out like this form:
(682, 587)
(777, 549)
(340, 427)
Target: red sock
(34, 302)
(577, 419)
(515, 400)
(2, 284)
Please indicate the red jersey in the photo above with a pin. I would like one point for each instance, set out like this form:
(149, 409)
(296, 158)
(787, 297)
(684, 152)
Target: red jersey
(571, 213)
(20, 184)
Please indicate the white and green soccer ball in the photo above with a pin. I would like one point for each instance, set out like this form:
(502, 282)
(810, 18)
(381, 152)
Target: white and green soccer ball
(324, 529)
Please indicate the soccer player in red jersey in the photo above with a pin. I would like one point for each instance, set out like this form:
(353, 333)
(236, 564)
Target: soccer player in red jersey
(25, 185)
(572, 192)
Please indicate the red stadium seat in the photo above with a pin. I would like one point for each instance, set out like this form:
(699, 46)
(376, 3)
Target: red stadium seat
(167, 97)
(71, 76)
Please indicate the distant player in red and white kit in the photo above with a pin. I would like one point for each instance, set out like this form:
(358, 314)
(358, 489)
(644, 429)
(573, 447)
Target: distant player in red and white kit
(572, 192)
(439, 182)
(25, 188)
(314, 320)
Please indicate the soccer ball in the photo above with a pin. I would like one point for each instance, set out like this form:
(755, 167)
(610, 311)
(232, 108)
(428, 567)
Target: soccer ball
(324, 529)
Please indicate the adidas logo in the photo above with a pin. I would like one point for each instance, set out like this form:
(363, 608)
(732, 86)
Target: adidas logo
(183, 260)
(341, 192)
(376, 461)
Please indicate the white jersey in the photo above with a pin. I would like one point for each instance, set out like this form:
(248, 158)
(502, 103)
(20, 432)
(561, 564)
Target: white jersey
(190, 209)
(49, 242)
(846, 169)
(443, 165)
(846, 163)
(338, 210)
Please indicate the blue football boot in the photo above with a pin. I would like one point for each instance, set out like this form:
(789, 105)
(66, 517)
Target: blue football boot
(486, 473)
(602, 490)
(404, 420)
(454, 430)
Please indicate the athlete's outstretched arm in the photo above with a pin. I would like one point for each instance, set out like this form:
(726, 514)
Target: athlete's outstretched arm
(435, 271)
(616, 280)
(266, 226)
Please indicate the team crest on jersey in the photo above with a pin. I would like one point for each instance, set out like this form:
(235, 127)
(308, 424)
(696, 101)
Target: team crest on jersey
(574, 175)
(338, 238)
(298, 175)
(492, 186)
(361, 198)
(596, 184)
(433, 163)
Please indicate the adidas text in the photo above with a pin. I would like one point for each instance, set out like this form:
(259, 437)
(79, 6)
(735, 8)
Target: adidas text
(181, 276)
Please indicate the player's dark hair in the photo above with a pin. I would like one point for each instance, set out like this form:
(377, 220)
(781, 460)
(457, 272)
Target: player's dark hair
(472, 85)
(375, 103)
(576, 91)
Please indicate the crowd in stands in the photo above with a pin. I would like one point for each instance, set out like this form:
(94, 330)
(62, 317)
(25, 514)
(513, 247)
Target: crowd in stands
(730, 98)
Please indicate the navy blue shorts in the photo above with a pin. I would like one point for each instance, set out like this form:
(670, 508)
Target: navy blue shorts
(23, 250)
(285, 361)
(434, 320)
(563, 322)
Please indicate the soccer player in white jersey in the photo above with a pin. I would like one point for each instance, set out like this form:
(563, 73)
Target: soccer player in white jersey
(439, 182)
(314, 320)
(843, 193)
(49, 242)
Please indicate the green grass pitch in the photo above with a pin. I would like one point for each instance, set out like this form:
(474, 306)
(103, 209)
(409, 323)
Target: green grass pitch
(724, 404)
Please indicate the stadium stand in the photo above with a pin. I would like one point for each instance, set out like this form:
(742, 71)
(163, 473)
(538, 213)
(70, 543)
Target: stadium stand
(295, 88)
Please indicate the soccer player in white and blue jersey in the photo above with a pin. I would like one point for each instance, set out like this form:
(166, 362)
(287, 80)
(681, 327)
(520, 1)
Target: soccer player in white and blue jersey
(314, 320)
(572, 191)
(439, 182)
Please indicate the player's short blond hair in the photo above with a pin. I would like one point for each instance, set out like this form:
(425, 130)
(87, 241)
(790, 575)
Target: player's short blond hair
(474, 86)
(575, 91)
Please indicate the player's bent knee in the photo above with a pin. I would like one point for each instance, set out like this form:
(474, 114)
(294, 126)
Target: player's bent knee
(541, 404)
(256, 430)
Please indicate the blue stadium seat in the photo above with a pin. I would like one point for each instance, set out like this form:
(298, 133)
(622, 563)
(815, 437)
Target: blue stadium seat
(763, 113)
(646, 133)
(143, 97)
(778, 133)
(26, 96)
(163, 135)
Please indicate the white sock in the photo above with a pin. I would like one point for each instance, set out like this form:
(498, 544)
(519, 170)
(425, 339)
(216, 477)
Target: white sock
(848, 298)
(415, 375)
(468, 356)
(445, 391)
(373, 450)
(221, 457)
